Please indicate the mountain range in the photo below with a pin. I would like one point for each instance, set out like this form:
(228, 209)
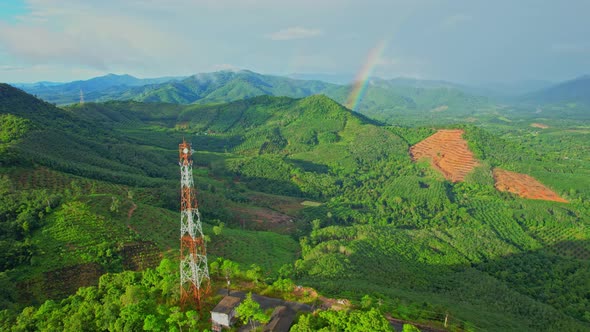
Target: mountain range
(225, 86)
(401, 101)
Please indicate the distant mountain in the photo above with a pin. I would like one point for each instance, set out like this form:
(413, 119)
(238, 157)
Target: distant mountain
(216, 87)
(576, 91)
(225, 86)
(35, 85)
(93, 89)
(391, 101)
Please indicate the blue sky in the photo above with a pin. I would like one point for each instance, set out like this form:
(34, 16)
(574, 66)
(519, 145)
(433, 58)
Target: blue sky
(466, 41)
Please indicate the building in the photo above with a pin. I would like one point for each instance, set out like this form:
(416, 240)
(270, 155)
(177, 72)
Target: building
(224, 312)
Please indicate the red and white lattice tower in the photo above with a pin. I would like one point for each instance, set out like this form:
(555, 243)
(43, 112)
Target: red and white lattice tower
(194, 273)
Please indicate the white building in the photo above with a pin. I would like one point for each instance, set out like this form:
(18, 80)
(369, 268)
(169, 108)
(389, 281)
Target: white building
(224, 312)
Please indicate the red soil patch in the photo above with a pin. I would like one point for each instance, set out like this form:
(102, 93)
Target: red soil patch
(539, 125)
(448, 153)
(524, 186)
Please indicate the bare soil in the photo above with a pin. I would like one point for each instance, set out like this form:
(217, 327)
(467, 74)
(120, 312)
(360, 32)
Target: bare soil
(448, 153)
(524, 186)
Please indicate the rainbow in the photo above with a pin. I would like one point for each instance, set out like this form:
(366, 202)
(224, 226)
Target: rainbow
(362, 77)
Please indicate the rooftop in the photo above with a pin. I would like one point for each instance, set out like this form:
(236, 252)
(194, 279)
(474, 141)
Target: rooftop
(227, 304)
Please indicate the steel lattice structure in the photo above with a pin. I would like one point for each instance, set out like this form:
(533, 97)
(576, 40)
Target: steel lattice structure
(194, 272)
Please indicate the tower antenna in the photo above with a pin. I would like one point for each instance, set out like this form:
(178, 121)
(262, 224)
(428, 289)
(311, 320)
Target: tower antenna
(81, 97)
(194, 273)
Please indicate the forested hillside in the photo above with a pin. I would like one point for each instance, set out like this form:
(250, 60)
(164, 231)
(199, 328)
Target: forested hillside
(349, 212)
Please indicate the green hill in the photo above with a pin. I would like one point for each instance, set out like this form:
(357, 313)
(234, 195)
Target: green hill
(87, 186)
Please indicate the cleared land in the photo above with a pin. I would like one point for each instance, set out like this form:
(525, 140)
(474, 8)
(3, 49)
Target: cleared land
(524, 186)
(539, 125)
(448, 153)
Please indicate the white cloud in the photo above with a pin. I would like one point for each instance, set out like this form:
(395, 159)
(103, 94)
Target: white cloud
(87, 34)
(294, 33)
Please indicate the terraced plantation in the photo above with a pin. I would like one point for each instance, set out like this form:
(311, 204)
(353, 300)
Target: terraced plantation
(524, 186)
(448, 153)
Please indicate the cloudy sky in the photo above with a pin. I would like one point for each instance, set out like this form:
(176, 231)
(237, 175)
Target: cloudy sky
(467, 41)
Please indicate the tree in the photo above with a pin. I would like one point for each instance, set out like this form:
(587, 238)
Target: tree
(229, 269)
(217, 230)
(255, 273)
(410, 328)
(176, 318)
(366, 301)
(249, 311)
(151, 323)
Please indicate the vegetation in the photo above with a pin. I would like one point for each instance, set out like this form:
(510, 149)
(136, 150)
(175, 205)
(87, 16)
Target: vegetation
(249, 312)
(92, 189)
(355, 320)
(127, 301)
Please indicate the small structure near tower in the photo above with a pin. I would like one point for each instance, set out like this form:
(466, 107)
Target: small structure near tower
(222, 316)
(194, 272)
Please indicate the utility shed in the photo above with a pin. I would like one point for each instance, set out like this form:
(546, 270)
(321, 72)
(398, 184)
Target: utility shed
(281, 320)
(223, 313)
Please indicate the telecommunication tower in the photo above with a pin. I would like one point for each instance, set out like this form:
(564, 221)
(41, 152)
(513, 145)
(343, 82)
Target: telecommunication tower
(81, 97)
(194, 273)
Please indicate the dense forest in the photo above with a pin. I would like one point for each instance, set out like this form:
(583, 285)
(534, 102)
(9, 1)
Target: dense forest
(292, 192)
